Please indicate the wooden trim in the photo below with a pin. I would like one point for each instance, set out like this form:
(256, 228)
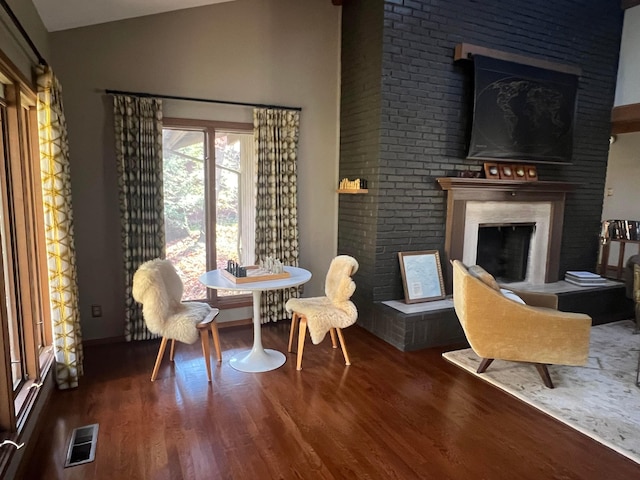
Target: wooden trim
(516, 186)
(172, 122)
(235, 323)
(8, 66)
(352, 191)
(103, 341)
(466, 51)
(625, 118)
(625, 4)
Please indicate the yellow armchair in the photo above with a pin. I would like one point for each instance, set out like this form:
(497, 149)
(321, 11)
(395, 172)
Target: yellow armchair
(498, 327)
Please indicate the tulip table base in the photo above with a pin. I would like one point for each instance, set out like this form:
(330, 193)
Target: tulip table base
(257, 360)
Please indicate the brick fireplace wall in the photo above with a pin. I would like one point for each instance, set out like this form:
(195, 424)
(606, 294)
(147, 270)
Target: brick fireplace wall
(406, 108)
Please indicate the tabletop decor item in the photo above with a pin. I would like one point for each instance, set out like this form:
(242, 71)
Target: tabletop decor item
(269, 269)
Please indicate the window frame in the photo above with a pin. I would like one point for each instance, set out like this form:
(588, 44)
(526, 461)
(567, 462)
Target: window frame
(209, 128)
(22, 202)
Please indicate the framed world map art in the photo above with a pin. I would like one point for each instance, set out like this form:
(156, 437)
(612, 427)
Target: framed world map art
(522, 113)
(421, 276)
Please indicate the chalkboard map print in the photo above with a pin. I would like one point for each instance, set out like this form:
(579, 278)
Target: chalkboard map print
(522, 112)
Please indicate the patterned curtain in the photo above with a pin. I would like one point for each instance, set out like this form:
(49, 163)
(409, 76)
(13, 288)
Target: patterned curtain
(276, 134)
(138, 131)
(58, 220)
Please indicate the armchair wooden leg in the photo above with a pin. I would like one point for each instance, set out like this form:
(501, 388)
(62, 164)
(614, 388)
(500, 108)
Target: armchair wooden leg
(302, 331)
(544, 374)
(333, 338)
(156, 367)
(343, 346)
(206, 352)
(216, 340)
(294, 324)
(484, 364)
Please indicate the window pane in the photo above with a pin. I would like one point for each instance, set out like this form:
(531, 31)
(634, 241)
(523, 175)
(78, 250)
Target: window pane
(8, 274)
(227, 201)
(184, 206)
(235, 198)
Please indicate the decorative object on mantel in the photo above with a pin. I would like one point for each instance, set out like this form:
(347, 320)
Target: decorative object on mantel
(491, 170)
(359, 185)
(470, 174)
(421, 276)
(507, 171)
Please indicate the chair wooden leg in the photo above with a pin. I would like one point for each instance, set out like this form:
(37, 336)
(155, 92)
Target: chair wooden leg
(156, 367)
(302, 332)
(216, 340)
(343, 346)
(172, 350)
(484, 364)
(544, 374)
(206, 352)
(292, 330)
(334, 343)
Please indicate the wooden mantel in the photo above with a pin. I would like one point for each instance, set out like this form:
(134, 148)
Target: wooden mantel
(451, 183)
(463, 190)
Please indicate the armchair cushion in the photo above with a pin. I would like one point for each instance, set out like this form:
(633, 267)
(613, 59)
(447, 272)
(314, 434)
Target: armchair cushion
(512, 296)
(480, 273)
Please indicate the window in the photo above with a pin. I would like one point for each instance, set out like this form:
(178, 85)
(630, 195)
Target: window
(209, 201)
(25, 333)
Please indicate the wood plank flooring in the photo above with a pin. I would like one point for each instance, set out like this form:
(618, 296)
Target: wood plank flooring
(390, 415)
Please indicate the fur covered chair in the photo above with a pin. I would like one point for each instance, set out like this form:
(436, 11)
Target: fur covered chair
(157, 286)
(330, 313)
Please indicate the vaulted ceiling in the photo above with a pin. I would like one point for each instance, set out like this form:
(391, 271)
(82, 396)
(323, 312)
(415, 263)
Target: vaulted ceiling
(65, 14)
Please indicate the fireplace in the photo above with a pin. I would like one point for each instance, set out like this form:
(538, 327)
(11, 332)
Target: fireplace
(535, 209)
(503, 250)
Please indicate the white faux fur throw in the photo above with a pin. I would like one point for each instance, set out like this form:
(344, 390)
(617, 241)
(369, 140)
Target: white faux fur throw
(157, 286)
(335, 310)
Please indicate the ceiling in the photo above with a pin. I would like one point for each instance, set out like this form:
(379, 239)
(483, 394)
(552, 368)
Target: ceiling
(65, 14)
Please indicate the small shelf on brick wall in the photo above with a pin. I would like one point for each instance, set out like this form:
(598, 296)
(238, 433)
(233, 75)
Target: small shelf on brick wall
(352, 191)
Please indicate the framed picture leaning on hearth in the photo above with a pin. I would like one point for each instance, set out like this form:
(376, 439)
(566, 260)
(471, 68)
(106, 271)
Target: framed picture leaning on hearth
(421, 276)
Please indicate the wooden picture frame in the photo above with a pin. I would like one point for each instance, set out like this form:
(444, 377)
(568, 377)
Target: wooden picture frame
(519, 172)
(531, 172)
(491, 170)
(421, 276)
(506, 171)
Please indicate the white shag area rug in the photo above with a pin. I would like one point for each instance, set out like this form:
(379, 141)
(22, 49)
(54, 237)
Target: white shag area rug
(600, 399)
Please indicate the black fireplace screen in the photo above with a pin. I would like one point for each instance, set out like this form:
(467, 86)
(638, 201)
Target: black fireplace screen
(503, 250)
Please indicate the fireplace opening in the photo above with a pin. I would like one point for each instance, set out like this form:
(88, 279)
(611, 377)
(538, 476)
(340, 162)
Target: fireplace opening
(503, 250)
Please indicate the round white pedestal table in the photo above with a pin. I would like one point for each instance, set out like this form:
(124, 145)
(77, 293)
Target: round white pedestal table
(257, 359)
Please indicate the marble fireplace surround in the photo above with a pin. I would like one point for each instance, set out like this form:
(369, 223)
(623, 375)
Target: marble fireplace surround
(476, 201)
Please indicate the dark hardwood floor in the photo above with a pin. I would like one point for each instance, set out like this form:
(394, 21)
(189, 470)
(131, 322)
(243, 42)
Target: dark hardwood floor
(390, 415)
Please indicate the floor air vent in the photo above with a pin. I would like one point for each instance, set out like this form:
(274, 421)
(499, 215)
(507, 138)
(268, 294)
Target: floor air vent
(82, 448)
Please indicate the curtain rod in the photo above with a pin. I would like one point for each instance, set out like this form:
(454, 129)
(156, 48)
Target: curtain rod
(23, 32)
(190, 99)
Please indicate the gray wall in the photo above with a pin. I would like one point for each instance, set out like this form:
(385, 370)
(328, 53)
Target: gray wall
(281, 52)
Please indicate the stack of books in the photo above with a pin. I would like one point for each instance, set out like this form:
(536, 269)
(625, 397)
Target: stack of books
(584, 279)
